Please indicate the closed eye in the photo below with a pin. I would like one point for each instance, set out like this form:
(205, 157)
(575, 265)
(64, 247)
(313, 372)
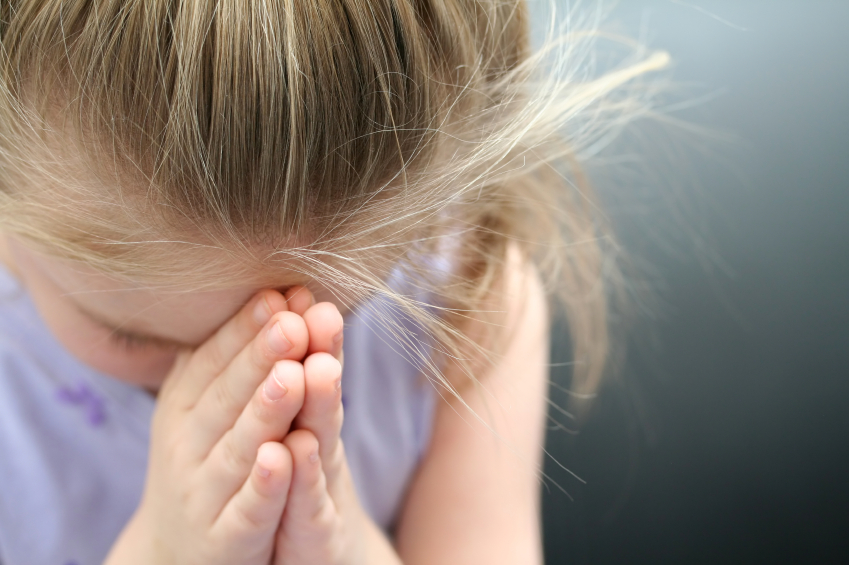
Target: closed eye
(131, 341)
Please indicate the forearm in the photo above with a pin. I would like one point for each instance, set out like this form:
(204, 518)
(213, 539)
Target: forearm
(379, 550)
(133, 546)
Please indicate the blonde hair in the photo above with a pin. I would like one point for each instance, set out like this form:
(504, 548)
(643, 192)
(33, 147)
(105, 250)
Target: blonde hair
(333, 138)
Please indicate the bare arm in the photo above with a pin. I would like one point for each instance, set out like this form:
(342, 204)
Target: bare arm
(476, 497)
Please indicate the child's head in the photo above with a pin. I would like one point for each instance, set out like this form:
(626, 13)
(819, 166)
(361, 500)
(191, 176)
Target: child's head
(177, 156)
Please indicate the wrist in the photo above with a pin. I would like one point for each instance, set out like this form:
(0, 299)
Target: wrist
(134, 546)
(378, 549)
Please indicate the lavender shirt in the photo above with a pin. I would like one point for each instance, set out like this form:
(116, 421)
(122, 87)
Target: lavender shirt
(73, 442)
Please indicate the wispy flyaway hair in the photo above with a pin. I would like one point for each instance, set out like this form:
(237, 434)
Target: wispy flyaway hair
(339, 139)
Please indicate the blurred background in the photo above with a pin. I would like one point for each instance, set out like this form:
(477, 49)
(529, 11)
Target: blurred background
(724, 437)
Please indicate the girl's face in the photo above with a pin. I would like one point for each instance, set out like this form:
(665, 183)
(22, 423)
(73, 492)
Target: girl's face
(130, 333)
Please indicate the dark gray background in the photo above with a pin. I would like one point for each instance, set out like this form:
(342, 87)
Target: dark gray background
(725, 437)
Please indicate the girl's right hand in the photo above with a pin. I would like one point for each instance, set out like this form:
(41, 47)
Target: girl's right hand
(218, 477)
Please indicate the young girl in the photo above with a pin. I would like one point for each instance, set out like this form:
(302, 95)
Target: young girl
(194, 194)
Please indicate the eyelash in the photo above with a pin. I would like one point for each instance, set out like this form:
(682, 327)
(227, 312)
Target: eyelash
(129, 341)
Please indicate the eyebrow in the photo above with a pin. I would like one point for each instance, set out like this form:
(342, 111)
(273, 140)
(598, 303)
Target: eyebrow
(141, 336)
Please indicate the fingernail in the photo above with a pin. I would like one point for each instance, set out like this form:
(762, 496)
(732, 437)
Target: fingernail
(262, 469)
(337, 385)
(313, 456)
(277, 341)
(338, 337)
(273, 388)
(262, 312)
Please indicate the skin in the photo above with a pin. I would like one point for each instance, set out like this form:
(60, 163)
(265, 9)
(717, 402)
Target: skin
(246, 463)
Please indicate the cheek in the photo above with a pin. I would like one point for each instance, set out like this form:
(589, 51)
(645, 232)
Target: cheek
(88, 342)
(145, 366)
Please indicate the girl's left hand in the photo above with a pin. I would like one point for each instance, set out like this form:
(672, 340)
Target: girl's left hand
(323, 523)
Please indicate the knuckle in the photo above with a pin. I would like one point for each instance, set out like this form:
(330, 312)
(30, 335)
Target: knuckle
(337, 419)
(324, 518)
(336, 458)
(246, 520)
(173, 447)
(260, 353)
(306, 442)
(339, 452)
(260, 409)
(235, 459)
(300, 443)
(170, 447)
(223, 396)
(212, 354)
(193, 505)
(263, 410)
(181, 364)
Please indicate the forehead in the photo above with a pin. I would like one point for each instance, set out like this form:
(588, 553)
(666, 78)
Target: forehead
(182, 314)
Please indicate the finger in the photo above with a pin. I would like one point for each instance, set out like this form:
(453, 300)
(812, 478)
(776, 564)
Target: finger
(309, 508)
(267, 417)
(322, 412)
(253, 513)
(325, 325)
(284, 337)
(192, 378)
(299, 299)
